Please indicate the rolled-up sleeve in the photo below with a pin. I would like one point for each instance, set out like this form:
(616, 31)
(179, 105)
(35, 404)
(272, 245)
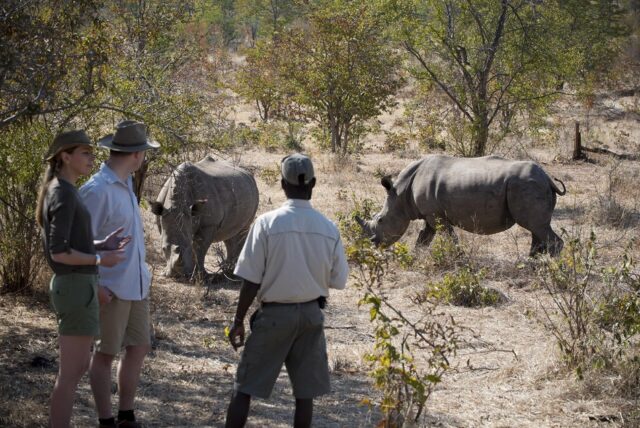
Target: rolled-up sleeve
(340, 268)
(252, 260)
(61, 209)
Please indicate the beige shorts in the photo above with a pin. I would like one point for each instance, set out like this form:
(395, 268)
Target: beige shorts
(123, 323)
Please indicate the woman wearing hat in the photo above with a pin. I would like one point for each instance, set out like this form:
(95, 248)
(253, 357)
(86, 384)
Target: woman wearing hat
(72, 254)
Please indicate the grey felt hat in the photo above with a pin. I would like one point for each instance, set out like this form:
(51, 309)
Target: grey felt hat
(130, 136)
(66, 140)
(296, 165)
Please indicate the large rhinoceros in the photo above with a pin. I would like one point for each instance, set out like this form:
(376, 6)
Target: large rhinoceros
(482, 195)
(209, 201)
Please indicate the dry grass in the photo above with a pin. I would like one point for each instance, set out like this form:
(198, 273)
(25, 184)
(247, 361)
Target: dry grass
(506, 373)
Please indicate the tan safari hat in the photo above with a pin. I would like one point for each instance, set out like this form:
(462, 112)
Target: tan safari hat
(130, 136)
(66, 140)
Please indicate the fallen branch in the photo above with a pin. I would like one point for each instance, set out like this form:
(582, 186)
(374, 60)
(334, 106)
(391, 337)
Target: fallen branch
(625, 156)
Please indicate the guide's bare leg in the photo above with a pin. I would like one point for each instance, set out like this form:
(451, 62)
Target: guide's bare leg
(238, 410)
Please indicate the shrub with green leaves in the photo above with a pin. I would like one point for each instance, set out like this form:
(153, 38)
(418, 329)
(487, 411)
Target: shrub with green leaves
(462, 288)
(350, 230)
(21, 162)
(270, 175)
(395, 142)
(596, 315)
(444, 249)
(409, 356)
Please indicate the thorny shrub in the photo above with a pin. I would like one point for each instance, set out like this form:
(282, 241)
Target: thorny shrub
(444, 249)
(270, 175)
(596, 321)
(404, 381)
(395, 142)
(21, 260)
(462, 288)
(607, 209)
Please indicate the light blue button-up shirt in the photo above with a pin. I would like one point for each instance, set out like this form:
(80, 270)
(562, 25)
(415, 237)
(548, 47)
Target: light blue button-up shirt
(113, 204)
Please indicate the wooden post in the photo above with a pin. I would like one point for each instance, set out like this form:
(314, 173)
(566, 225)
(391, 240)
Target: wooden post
(577, 144)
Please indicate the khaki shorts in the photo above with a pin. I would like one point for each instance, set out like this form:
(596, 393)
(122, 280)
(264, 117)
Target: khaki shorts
(291, 334)
(123, 323)
(74, 298)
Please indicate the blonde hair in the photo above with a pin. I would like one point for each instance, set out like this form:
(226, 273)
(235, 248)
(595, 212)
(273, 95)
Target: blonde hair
(53, 166)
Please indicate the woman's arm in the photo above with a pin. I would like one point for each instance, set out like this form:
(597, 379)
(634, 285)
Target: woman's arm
(78, 258)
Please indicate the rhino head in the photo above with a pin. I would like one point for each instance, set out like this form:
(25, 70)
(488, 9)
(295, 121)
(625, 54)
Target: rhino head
(391, 222)
(176, 217)
(176, 226)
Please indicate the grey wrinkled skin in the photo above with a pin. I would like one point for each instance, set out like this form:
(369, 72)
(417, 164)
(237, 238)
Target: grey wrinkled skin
(481, 195)
(202, 203)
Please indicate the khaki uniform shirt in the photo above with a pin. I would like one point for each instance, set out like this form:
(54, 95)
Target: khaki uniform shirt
(294, 253)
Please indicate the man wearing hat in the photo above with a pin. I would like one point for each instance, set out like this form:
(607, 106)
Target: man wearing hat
(291, 257)
(123, 289)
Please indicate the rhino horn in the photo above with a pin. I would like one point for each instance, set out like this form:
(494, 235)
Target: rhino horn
(366, 227)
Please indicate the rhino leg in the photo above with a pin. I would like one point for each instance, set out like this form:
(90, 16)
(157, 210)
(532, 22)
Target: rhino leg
(202, 240)
(234, 246)
(531, 205)
(425, 236)
(547, 241)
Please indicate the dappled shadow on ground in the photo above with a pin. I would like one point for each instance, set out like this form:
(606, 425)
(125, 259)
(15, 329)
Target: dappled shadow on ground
(28, 365)
(569, 213)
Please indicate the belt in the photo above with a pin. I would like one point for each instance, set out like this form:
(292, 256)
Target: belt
(288, 304)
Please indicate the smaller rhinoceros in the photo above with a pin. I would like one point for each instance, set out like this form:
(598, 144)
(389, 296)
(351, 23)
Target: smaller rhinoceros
(481, 195)
(202, 203)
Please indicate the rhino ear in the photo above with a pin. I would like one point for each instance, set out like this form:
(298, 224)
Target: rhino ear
(387, 183)
(156, 207)
(198, 207)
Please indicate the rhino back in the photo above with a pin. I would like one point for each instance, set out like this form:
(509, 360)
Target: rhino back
(470, 193)
(231, 196)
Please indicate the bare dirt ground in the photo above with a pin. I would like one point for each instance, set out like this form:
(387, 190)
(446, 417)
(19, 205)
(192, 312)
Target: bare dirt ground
(506, 374)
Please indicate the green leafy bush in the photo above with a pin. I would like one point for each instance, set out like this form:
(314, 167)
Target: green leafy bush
(395, 142)
(21, 162)
(444, 249)
(596, 315)
(270, 175)
(404, 380)
(462, 288)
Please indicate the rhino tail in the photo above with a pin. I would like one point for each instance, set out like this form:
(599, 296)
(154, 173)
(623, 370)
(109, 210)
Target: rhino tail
(556, 189)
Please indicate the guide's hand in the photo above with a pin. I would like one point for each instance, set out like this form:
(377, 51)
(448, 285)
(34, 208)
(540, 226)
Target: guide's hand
(236, 335)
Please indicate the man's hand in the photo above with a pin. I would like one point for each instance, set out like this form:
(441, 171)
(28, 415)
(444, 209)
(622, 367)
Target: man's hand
(114, 241)
(236, 335)
(104, 295)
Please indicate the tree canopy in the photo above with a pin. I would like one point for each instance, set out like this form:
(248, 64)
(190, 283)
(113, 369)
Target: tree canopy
(496, 59)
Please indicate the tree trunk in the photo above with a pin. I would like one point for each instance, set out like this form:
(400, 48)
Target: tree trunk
(577, 144)
(335, 134)
(345, 139)
(481, 136)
